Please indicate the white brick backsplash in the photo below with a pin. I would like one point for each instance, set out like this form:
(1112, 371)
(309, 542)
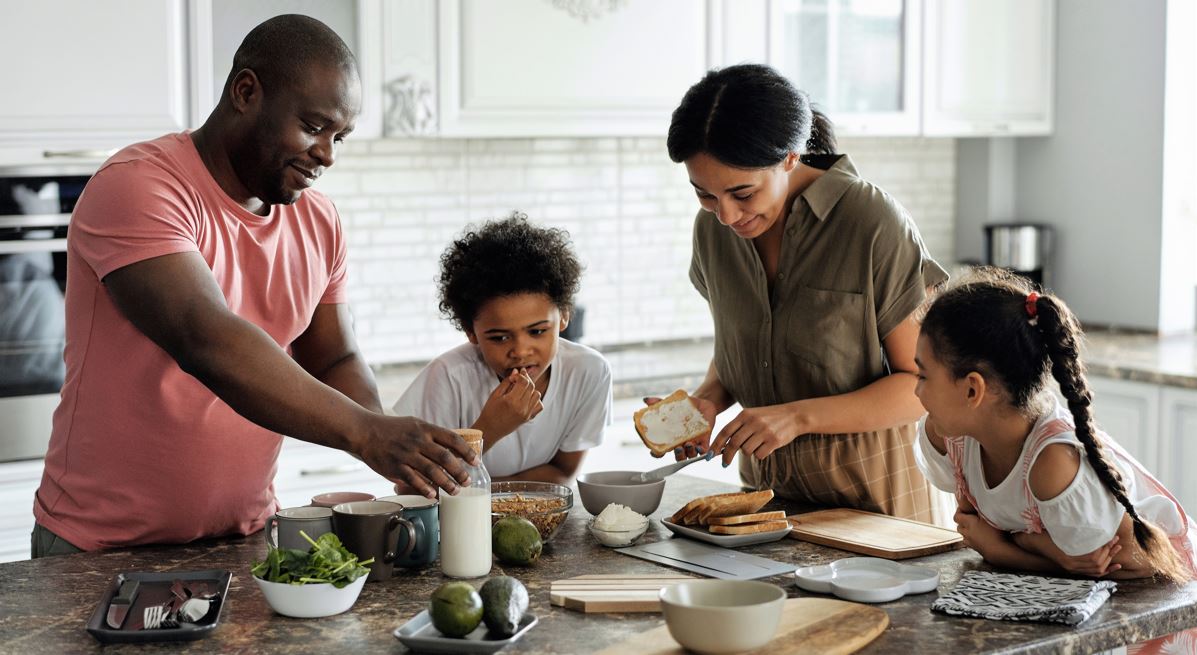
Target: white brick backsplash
(628, 209)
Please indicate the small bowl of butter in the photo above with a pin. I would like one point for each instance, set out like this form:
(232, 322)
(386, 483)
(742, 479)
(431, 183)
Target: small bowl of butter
(618, 526)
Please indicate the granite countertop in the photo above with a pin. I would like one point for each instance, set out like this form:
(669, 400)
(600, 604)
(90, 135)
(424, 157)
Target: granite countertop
(45, 603)
(656, 368)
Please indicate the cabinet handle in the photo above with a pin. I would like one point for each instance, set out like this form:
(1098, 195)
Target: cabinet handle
(79, 154)
(332, 470)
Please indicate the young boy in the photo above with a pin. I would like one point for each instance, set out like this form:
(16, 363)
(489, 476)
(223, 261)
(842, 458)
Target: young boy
(539, 400)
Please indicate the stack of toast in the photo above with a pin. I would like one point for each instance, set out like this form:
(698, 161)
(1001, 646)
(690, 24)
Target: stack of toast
(732, 513)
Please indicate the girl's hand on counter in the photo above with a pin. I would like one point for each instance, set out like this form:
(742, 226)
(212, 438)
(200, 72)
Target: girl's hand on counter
(758, 432)
(977, 533)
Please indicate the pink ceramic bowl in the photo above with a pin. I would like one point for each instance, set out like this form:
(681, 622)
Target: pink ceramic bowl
(337, 497)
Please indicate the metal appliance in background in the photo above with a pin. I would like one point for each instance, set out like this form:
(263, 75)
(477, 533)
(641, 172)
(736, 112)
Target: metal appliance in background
(1024, 248)
(35, 210)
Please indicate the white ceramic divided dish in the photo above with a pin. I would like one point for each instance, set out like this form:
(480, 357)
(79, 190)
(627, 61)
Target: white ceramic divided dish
(617, 538)
(722, 616)
(310, 600)
(867, 579)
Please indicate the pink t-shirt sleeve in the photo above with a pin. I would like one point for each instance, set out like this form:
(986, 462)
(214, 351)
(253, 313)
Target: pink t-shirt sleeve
(336, 292)
(133, 211)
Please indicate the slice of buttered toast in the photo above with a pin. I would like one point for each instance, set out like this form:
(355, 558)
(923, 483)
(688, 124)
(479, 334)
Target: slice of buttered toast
(750, 528)
(749, 518)
(701, 510)
(670, 423)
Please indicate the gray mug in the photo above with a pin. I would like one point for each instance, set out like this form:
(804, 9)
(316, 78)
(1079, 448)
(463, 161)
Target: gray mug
(425, 516)
(314, 521)
(373, 529)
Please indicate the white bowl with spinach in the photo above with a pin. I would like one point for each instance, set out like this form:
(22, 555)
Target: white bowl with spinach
(323, 581)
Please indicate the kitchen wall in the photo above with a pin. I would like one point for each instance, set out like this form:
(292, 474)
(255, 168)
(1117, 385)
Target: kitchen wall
(628, 208)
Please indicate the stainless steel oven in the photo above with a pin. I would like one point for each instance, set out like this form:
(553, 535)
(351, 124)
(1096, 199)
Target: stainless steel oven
(35, 209)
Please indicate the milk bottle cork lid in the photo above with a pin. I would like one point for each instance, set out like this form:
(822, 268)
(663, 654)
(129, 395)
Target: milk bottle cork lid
(472, 437)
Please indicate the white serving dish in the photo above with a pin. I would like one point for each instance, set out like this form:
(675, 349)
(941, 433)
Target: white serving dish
(867, 579)
(617, 538)
(420, 636)
(309, 601)
(725, 540)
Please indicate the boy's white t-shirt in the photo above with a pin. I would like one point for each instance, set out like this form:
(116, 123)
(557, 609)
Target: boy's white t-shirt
(452, 390)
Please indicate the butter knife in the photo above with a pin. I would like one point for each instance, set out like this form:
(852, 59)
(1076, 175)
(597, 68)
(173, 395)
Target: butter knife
(119, 606)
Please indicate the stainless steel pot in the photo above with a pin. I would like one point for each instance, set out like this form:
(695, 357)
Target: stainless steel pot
(1023, 247)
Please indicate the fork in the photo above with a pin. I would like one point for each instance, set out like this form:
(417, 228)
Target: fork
(159, 616)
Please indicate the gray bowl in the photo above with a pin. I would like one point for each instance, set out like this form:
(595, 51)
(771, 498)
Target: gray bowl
(602, 488)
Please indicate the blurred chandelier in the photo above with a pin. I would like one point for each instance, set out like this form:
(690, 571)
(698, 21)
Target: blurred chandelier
(584, 10)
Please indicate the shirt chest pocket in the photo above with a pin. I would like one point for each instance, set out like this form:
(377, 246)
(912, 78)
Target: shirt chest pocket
(826, 328)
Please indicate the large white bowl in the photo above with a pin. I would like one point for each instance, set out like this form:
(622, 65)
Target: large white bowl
(309, 601)
(722, 616)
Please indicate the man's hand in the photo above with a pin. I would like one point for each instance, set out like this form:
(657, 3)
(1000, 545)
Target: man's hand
(698, 445)
(513, 403)
(757, 432)
(417, 454)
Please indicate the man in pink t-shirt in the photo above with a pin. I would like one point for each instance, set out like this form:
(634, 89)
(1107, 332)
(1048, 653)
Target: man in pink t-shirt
(206, 315)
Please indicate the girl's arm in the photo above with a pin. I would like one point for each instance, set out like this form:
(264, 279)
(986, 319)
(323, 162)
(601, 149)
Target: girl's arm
(1120, 559)
(997, 547)
(882, 404)
(560, 470)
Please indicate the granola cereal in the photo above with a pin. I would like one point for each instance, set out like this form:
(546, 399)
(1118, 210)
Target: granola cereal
(545, 512)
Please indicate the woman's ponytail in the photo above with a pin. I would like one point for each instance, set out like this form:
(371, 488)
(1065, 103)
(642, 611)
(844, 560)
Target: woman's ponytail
(1061, 336)
(822, 135)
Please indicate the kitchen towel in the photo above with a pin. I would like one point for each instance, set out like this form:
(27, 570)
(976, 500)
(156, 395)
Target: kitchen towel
(1010, 597)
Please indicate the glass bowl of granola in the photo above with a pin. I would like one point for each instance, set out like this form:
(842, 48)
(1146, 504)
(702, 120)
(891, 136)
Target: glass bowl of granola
(543, 503)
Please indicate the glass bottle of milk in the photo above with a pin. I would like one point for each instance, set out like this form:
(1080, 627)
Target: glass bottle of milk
(465, 520)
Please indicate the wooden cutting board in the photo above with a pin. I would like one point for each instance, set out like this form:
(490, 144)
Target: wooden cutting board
(613, 593)
(869, 533)
(809, 626)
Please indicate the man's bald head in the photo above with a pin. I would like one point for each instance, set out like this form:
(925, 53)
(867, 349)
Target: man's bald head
(281, 49)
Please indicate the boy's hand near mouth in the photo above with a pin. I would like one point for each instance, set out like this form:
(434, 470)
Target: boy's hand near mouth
(513, 403)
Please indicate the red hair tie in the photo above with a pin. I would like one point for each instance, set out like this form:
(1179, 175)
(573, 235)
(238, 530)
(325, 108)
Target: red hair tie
(1032, 307)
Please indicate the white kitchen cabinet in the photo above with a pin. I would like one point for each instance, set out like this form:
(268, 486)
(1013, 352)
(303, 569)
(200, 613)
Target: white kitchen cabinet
(306, 469)
(858, 60)
(989, 67)
(83, 77)
(219, 26)
(1179, 442)
(18, 483)
(1130, 413)
(537, 68)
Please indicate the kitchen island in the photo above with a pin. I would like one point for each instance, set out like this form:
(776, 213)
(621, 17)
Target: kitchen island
(45, 604)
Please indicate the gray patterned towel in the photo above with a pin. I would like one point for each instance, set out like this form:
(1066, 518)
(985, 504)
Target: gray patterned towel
(1009, 597)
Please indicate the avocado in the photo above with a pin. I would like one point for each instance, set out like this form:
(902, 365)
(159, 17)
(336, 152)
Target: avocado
(504, 601)
(515, 540)
(455, 609)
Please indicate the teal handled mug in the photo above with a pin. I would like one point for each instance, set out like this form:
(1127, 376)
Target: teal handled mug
(424, 514)
(282, 529)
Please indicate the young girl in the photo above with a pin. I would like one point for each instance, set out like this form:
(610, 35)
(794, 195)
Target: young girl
(1040, 487)
(539, 400)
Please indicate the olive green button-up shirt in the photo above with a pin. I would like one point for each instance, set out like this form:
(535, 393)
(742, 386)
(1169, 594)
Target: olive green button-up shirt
(852, 267)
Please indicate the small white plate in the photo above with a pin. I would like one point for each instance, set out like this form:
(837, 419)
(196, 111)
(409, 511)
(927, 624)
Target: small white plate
(420, 636)
(867, 579)
(726, 540)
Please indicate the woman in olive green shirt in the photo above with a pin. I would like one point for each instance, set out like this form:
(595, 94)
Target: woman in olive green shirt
(812, 275)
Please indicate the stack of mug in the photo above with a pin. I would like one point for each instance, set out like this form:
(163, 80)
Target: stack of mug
(399, 532)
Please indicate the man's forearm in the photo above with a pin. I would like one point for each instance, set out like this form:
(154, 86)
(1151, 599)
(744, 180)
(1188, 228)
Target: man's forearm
(352, 377)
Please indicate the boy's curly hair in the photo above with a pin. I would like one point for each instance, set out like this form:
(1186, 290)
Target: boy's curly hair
(503, 258)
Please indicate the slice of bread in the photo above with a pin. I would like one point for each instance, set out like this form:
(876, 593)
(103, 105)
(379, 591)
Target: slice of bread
(748, 518)
(750, 528)
(670, 423)
(701, 510)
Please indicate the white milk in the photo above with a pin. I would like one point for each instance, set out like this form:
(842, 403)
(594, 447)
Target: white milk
(465, 533)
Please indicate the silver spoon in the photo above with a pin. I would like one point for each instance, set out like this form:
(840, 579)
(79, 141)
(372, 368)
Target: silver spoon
(660, 473)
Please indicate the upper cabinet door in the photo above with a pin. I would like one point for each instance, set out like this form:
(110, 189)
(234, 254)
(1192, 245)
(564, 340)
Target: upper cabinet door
(540, 68)
(81, 74)
(971, 91)
(857, 59)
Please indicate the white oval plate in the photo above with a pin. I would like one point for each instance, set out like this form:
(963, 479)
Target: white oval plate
(867, 579)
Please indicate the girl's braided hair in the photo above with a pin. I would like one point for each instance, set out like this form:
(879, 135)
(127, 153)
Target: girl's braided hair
(983, 324)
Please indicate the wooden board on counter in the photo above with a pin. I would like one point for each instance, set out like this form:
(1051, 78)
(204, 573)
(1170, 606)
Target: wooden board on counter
(809, 626)
(869, 533)
(613, 593)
